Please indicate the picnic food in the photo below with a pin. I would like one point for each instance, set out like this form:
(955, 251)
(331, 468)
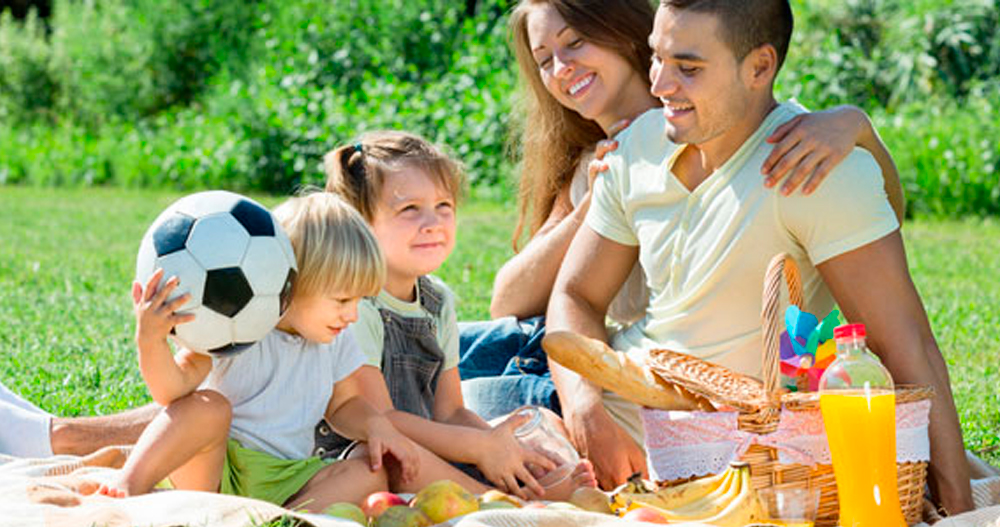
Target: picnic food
(378, 502)
(859, 414)
(616, 372)
(496, 496)
(444, 500)
(347, 511)
(724, 500)
(402, 516)
(232, 257)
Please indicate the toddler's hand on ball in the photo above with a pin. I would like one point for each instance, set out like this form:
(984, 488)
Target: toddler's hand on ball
(155, 313)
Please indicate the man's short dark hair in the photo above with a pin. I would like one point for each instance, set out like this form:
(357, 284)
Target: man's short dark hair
(746, 24)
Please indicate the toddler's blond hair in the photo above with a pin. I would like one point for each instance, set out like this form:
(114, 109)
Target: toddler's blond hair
(335, 250)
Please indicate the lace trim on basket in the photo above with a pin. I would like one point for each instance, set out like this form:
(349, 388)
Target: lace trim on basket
(692, 444)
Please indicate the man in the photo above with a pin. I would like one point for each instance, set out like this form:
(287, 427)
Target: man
(684, 196)
(28, 431)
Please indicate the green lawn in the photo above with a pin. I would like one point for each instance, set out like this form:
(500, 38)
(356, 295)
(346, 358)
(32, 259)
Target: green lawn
(67, 258)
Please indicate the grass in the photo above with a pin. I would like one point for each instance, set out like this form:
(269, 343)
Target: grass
(67, 259)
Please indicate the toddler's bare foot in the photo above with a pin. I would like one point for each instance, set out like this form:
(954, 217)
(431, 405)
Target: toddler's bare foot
(115, 490)
(582, 476)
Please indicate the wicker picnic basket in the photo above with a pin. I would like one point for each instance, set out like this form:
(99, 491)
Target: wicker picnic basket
(761, 405)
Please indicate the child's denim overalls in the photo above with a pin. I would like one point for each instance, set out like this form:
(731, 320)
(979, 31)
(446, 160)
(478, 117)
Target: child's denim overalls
(412, 361)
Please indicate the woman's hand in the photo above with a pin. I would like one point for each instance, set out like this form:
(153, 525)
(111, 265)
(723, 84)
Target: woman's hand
(597, 165)
(504, 460)
(383, 438)
(155, 316)
(810, 145)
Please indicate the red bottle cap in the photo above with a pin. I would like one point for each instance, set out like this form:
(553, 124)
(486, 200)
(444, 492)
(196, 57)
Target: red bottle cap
(849, 330)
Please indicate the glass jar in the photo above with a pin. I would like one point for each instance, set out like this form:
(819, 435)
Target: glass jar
(539, 434)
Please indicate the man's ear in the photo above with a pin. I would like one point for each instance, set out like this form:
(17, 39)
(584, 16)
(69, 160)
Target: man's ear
(760, 66)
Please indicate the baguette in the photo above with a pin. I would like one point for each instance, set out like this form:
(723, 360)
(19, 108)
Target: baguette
(616, 372)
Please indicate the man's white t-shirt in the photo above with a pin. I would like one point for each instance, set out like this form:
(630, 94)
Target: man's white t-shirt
(280, 388)
(705, 252)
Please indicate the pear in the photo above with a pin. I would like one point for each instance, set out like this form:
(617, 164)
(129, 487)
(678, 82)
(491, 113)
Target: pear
(444, 500)
(347, 511)
(402, 516)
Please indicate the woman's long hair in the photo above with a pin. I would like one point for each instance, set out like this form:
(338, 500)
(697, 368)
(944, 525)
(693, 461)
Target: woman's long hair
(552, 138)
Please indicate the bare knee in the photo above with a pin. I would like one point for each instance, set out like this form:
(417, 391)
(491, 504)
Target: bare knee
(205, 409)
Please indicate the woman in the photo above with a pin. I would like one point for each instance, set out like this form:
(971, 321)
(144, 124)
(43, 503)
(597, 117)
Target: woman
(584, 72)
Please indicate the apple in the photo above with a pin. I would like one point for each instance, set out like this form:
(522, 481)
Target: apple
(644, 514)
(377, 502)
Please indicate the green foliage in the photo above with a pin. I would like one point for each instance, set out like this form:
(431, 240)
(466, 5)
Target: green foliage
(28, 90)
(950, 151)
(882, 53)
(249, 94)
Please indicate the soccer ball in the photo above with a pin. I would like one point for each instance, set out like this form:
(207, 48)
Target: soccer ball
(232, 257)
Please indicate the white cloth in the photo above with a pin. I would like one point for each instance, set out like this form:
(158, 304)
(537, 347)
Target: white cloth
(371, 333)
(629, 305)
(280, 389)
(681, 445)
(24, 428)
(705, 252)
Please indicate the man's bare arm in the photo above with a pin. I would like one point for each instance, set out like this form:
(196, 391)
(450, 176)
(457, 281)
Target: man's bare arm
(593, 271)
(872, 285)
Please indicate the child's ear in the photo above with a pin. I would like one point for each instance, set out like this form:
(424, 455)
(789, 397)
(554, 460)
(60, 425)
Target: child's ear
(136, 292)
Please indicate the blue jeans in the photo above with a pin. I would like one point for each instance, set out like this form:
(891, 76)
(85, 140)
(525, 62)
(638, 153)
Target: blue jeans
(503, 366)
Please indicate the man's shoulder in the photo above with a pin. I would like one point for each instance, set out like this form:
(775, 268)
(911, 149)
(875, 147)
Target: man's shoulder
(644, 142)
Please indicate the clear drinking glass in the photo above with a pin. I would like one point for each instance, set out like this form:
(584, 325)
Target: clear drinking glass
(539, 434)
(789, 505)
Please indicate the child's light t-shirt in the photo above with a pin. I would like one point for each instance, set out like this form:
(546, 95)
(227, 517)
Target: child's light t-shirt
(705, 252)
(370, 332)
(280, 388)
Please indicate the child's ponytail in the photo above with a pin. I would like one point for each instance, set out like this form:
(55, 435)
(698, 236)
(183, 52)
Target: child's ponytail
(347, 175)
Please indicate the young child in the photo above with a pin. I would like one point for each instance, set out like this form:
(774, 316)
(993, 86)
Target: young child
(407, 189)
(243, 424)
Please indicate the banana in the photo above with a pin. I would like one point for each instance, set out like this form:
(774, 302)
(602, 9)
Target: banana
(693, 501)
(744, 509)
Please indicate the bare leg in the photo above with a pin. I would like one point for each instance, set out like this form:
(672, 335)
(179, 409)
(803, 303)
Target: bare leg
(186, 441)
(82, 435)
(350, 480)
(432, 468)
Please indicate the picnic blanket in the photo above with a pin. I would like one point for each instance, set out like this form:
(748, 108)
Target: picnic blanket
(58, 492)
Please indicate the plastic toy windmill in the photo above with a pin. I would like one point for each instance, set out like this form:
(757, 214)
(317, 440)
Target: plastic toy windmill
(807, 348)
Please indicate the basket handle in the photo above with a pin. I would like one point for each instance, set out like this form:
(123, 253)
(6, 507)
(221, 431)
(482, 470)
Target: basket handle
(781, 266)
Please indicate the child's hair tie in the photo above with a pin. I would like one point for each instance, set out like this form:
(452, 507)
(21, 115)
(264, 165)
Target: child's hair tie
(359, 148)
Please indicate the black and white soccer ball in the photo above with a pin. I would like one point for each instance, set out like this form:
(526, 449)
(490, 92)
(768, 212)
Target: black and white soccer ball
(233, 257)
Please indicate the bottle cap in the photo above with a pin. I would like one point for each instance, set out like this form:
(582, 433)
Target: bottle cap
(849, 330)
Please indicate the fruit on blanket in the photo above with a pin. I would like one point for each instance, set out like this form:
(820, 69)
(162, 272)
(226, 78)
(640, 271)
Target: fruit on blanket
(494, 496)
(724, 500)
(402, 516)
(590, 499)
(378, 502)
(645, 514)
(444, 500)
(347, 511)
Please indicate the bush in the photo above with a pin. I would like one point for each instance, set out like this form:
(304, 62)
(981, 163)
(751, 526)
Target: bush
(948, 153)
(28, 90)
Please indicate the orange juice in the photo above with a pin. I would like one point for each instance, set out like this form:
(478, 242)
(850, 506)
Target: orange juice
(861, 431)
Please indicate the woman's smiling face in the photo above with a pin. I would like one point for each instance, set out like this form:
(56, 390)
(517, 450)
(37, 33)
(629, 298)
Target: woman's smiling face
(585, 77)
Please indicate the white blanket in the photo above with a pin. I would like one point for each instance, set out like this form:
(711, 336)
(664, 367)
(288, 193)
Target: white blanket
(58, 492)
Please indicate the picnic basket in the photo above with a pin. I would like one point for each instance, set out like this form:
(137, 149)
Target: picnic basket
(762, 405)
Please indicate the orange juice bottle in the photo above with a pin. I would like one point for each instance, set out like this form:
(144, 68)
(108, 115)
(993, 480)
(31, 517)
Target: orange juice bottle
(859, 413)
